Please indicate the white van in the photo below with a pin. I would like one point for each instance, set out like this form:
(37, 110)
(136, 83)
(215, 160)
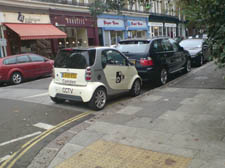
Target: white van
(91, 75)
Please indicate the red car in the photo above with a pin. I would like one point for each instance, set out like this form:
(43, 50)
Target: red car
(15, 69)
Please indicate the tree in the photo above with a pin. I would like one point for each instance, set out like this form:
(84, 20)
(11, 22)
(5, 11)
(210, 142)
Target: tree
(209, 15)
(98, 7)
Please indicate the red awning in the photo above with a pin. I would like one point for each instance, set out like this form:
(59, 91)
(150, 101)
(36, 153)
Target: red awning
(36, 31)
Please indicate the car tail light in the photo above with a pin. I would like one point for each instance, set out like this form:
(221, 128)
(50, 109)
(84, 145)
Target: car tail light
(53, 73)
(146, 62)
(88, 74)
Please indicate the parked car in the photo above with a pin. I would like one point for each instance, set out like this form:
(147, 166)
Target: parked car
(17, 68)
(156, 58)
(91, 75)
(198, 49)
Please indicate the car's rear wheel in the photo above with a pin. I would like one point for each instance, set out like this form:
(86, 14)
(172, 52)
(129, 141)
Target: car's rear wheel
(136, 88)
(98, 99)
(16, 78)
(57, 100)
(163, 76)
(187, 67)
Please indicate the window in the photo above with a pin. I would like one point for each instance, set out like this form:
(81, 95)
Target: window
(36, 58)
(9, 61)
(22, 59)
(175, 46)
(75, 59)
(157, 46)
(166, 45)
(113, 57)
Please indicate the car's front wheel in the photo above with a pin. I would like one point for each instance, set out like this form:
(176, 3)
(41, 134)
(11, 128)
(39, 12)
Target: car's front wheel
(16, 78)
(201, 60)
(98, 100)
(187, 67)
(57, 100)
(136, 88)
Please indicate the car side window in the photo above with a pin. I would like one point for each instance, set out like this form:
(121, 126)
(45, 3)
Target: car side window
(36, 58)
(157, 46)
(166, 45)
(174, 44)
(22, 59)
(112, 57)
(9, 61)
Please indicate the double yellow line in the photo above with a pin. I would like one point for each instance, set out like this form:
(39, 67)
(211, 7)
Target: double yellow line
(17, 155)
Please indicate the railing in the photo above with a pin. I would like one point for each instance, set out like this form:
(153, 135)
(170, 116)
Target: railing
(66, 2)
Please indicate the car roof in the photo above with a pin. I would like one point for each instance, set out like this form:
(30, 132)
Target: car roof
(145, 39)
(86, 48)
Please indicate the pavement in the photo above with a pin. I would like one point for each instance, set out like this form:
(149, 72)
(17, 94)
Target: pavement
(180, 125)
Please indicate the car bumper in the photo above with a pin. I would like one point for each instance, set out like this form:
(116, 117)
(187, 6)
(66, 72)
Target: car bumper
(75, 93)
(148, 74)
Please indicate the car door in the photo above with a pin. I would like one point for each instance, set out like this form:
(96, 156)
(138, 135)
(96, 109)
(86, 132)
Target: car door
(116, 69)
(23, 63)
(169, 55)
(37, 63)
(179, 56)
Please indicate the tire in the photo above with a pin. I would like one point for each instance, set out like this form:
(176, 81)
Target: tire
(201, 60)
(136, 88)
(98, 100)
(163, 76)
(187, 67)
(16, 78)
(57, 100)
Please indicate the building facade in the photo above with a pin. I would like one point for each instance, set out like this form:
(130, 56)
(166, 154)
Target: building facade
(113, 28)
(72, 18)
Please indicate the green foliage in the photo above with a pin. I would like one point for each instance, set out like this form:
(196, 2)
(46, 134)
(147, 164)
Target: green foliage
(209, 15)
(100, 6)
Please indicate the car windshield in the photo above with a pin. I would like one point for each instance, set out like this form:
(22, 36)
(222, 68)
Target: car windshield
(75, 59)
(133, 46)
(191, 43)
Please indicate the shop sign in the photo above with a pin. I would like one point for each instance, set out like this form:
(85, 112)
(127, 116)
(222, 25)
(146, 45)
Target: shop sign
(170, 25)
(155, 24)
(3, 42)
(1, 18)
(136, 24)
(110, 22)
(20, 17)
(75, 21)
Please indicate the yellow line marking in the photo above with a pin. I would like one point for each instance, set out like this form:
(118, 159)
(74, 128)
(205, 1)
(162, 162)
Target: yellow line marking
(37, 139)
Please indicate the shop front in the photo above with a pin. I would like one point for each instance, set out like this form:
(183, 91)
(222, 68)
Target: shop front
(79, 27)
(137, 27)
(171, 29)
(111, 29)
(156, 29)
(28, 32)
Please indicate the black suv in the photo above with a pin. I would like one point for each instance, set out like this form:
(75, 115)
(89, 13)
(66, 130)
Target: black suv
(156, 58)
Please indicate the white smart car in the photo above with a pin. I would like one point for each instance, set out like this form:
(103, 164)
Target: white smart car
(91, 75)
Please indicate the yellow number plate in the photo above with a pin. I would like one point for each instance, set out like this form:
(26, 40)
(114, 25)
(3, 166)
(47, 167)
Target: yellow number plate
(69, 75)
(133, 61)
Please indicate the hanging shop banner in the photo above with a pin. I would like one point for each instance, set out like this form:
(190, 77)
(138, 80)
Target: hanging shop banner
(170, 25)
(110, 23)
(136, 24)
(19, 17)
